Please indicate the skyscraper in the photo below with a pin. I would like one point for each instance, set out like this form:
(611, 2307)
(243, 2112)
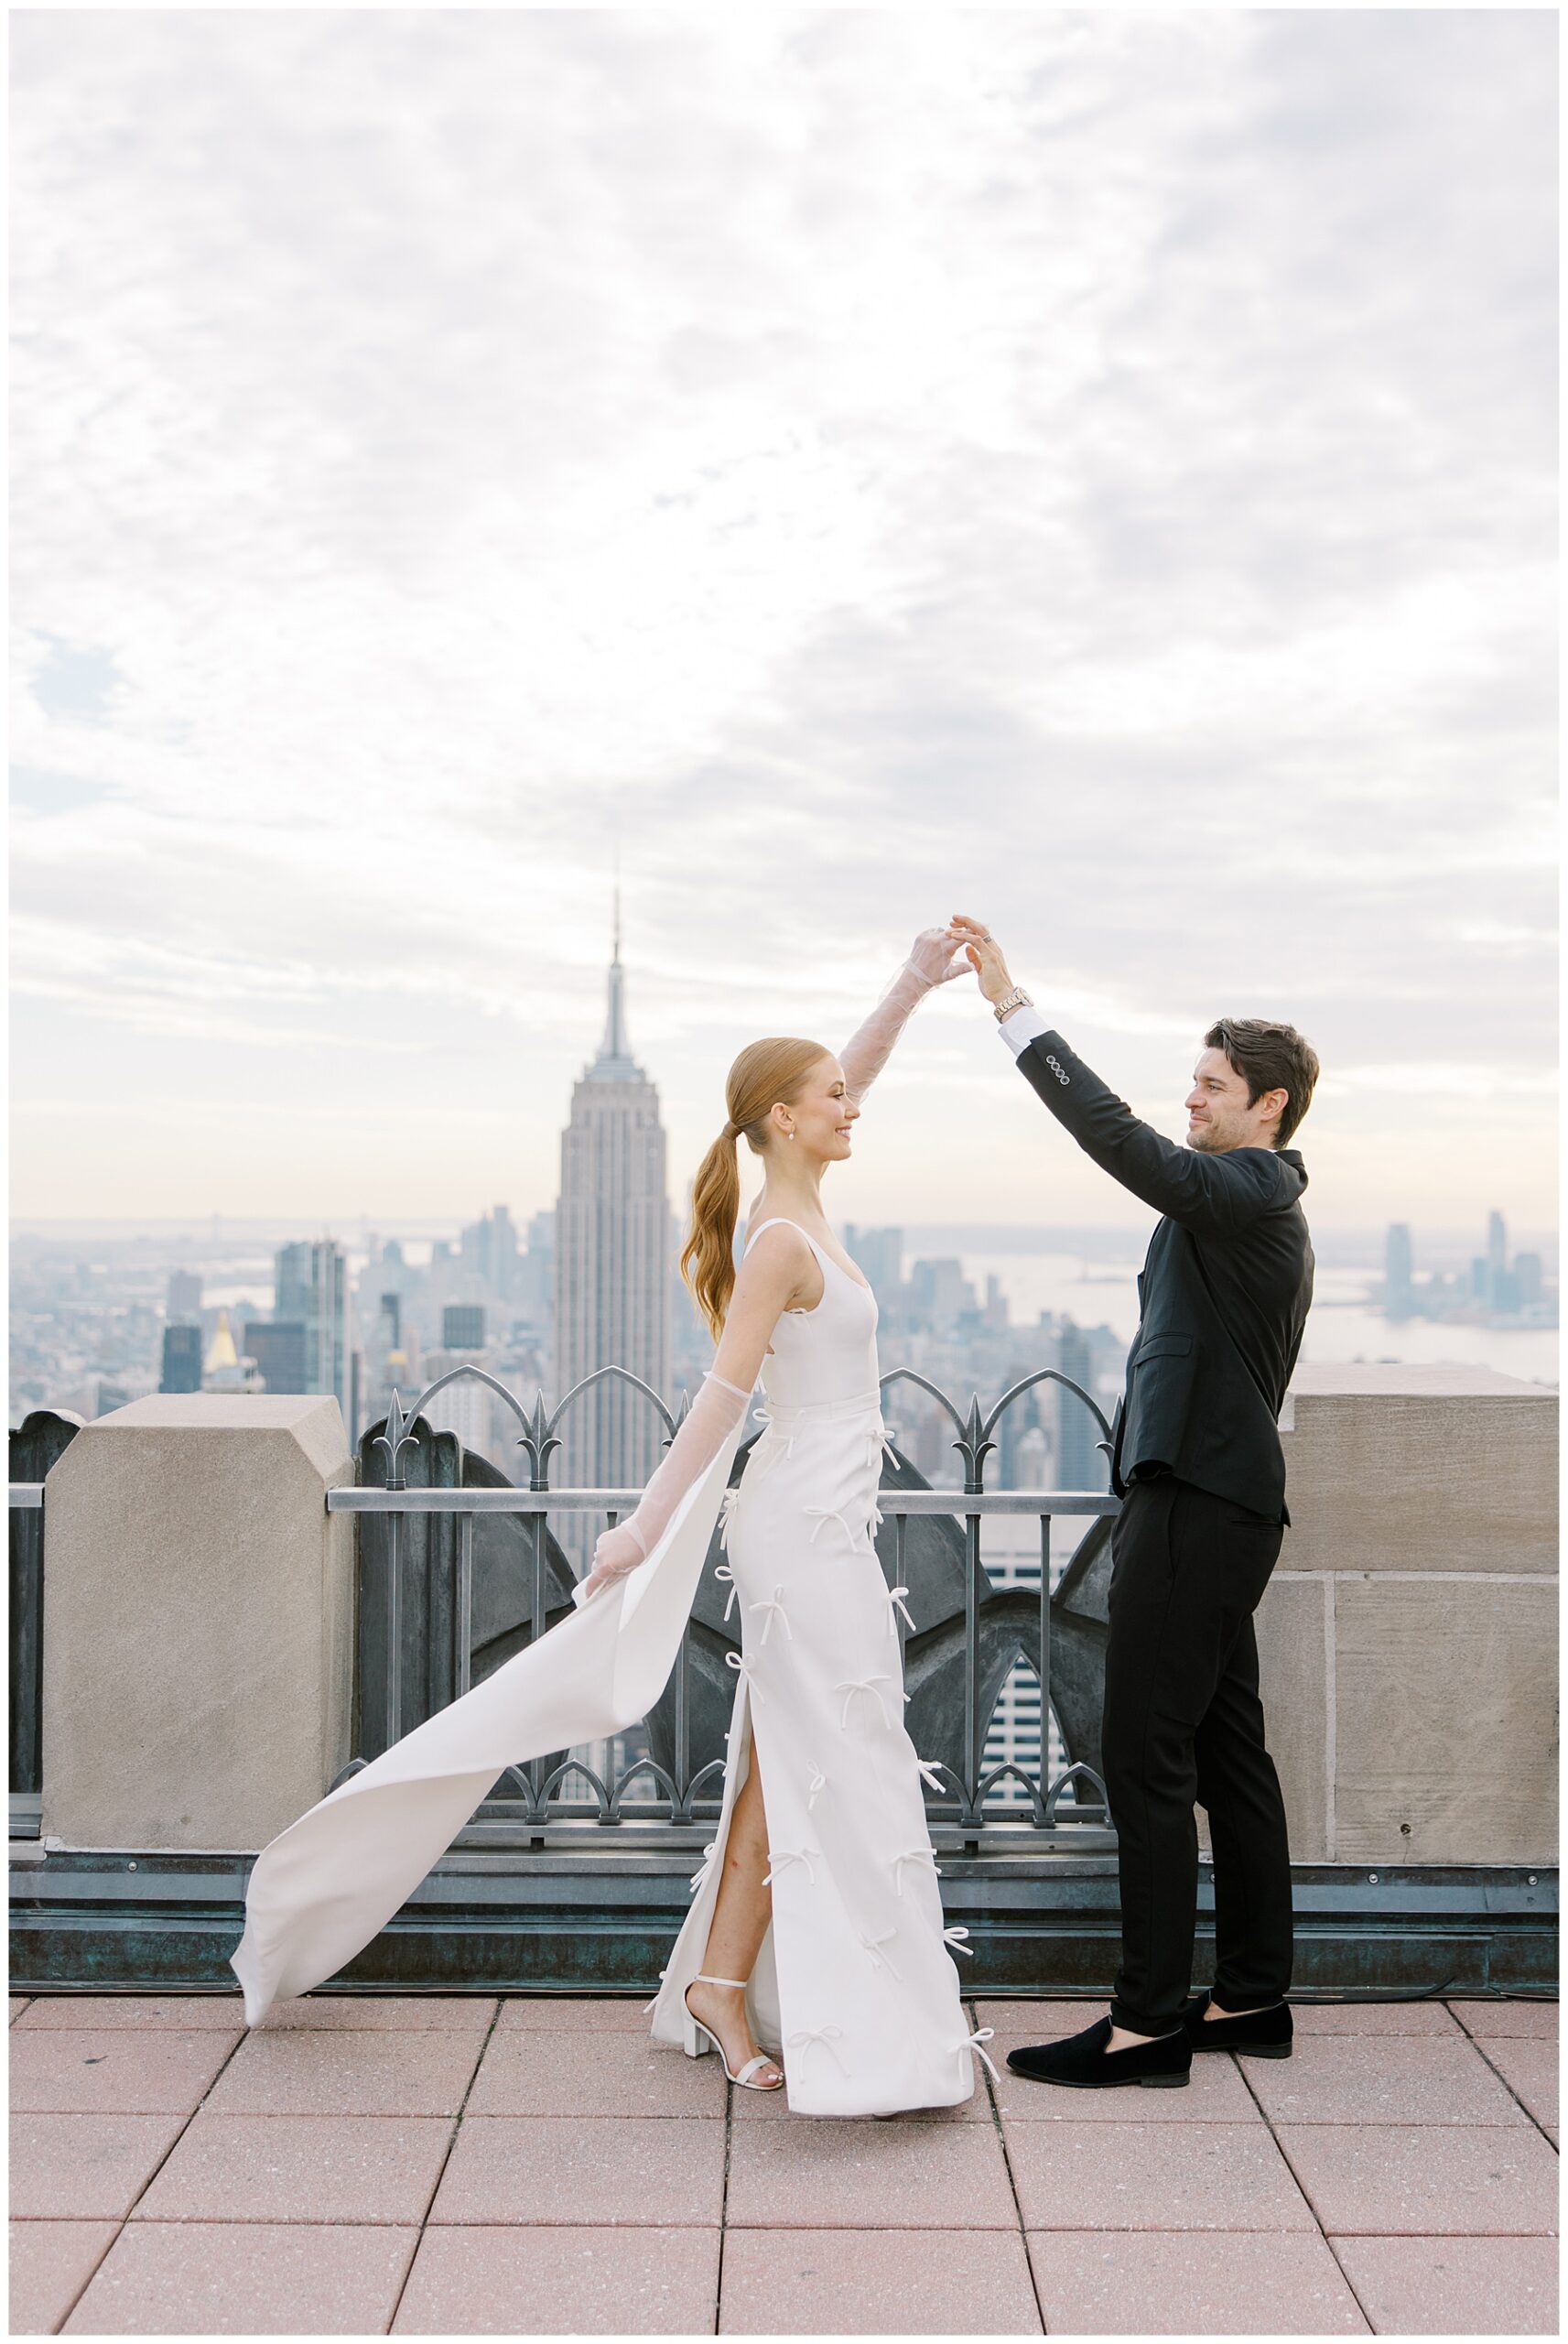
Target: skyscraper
(312, 1289)
(181, 1360)
(463, 1327)
(879, 1252)
(1398, 1293)
(184, 1294)
(489, 1249)
(463, 1407)
(612, 1249)
(277, 1347)
(1079, 1464)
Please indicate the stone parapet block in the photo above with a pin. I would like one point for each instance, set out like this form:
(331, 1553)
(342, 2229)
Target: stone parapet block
(1406, 1641)
(199, 1612)
(1419, 1469)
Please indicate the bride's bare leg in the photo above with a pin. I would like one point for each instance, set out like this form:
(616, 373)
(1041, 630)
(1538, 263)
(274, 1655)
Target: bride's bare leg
(739, 1924)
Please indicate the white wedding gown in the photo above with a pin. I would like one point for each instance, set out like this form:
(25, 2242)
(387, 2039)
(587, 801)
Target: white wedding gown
(854, 1990)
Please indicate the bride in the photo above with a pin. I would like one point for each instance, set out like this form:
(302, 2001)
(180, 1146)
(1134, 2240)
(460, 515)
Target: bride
(818, 1924)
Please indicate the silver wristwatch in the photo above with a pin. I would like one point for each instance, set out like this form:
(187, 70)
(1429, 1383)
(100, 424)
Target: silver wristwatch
(1016, 999)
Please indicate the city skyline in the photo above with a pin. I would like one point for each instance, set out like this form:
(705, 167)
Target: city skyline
(1116, 502)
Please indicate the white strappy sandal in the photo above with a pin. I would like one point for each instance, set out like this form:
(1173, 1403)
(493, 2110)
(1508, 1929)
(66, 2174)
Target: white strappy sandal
(701, 2039)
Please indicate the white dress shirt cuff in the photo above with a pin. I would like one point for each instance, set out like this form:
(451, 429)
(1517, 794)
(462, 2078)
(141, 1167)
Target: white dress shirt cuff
(1021, 1028)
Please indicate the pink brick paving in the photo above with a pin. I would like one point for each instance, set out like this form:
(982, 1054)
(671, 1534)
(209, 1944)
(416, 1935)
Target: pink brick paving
(435, 2164)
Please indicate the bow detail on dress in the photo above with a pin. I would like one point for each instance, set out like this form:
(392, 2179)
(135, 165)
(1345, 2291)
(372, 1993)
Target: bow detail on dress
(912, 1856)
(850, 1685)
(873, 1947)
(727, 1505)
(806, 2039)
(723, 1572)
(953, 1940)
(784, 1446)
(779, 1857)
(831, 1514)
(927, 1769)
(976, 2043)
(818, 1782)
(772, 1607)
(742, 1668)
(896, 1596)
(879, 1446)
(704, 1868)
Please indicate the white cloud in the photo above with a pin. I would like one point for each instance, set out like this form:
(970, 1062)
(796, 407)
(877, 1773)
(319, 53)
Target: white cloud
(1097, 469)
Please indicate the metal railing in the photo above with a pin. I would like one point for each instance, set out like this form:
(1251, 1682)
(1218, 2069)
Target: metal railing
(955, 1666)
(414, 1655)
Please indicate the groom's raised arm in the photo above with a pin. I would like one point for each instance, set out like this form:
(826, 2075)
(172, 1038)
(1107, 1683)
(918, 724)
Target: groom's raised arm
(1208, 1191)
(1200, 1191)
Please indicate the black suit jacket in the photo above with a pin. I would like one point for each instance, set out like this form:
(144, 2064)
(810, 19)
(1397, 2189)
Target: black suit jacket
(1223, 1295)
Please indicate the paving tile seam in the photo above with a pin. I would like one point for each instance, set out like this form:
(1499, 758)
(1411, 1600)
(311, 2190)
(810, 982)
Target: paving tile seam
(1442, 2238)
(1355, 2292)
(1240, 2067)
(424, 2222)
(1529, 2114)
(989, 2084)
(124, 2219)
(481, 2116)
(729, 2091)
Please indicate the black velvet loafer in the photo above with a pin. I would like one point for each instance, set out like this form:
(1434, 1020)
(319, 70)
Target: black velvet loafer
(1259, 2035)
(1082, 2061)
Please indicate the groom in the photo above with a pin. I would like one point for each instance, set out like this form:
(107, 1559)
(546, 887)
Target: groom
(1196, 1460)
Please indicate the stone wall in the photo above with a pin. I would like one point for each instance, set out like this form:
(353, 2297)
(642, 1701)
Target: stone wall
(1408, 1639)
(198, 1621)
(198, 1650)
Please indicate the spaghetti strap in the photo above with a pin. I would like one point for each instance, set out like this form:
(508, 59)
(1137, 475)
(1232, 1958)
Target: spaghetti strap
(823, 1256)
(779, 1220)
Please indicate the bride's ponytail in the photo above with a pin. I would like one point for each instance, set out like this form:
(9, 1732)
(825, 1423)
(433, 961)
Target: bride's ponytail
(764, 1072)
(707, 1260)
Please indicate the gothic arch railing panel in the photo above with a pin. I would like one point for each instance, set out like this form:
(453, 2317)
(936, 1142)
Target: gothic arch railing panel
(460, 1568)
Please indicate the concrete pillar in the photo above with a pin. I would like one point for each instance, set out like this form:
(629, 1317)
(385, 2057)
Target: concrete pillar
(1408, 1638)
(198, 1621)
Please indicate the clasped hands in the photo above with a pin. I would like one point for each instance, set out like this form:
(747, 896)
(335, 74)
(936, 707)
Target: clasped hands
(940, 954)
(983, 954)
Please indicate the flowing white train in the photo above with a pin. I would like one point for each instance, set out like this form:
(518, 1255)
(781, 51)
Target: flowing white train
(321, 1890)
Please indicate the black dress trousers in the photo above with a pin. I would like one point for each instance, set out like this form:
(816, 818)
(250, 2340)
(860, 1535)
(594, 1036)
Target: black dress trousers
(1183, 1725)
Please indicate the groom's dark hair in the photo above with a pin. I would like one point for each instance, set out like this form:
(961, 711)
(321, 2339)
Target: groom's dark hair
(1268, 1058)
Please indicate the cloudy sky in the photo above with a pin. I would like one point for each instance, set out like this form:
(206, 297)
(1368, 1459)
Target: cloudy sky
(1090, 469)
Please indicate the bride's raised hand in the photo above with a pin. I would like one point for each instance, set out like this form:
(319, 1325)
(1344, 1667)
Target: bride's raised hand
(936, 956)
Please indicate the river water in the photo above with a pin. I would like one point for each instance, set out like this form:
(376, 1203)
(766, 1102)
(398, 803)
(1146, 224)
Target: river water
(1342, 1325)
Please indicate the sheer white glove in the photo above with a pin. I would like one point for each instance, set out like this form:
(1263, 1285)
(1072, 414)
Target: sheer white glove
(934, 960)
(713, 1416)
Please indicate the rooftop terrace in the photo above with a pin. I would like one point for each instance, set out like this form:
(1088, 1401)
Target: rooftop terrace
(427, 2164)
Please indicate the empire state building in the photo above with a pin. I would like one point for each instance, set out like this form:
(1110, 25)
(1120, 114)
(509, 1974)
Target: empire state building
(612, 1268)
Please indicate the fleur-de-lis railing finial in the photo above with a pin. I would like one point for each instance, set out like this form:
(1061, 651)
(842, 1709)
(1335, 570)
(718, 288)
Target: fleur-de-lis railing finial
(541, 1445)
(394, 1440)
(974, 1449)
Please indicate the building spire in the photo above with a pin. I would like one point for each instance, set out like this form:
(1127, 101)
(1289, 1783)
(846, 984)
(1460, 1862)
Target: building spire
(615, 1062)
